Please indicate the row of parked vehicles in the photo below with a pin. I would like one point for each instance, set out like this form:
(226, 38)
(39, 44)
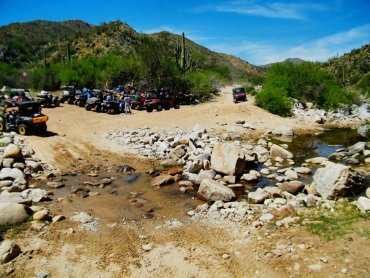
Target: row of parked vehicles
(99, 101)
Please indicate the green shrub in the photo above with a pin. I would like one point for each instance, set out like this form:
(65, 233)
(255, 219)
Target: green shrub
(274, 100)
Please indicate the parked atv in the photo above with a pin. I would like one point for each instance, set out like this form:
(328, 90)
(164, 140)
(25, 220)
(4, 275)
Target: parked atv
(24, 117)
(239, 95)
(94, 103)
(161, 101)
(47, 100)
(110, 107)
(139, 104)
(186, 99)
(68, 94)
(80, 99)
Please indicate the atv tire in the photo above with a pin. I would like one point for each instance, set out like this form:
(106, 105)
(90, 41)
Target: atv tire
(177, 106)
(43, 128)
(88, 107)
(149, 109)
(23, 129)
(159, 108)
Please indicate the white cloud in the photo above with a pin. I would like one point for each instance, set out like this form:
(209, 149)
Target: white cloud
(282, 10)
(260, 53)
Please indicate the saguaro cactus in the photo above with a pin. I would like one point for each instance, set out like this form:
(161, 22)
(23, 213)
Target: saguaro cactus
(68, 53)
(183, 57)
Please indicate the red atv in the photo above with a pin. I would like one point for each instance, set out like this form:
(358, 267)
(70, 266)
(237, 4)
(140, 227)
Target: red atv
(239, 95)
(139, 104)
(161, 101)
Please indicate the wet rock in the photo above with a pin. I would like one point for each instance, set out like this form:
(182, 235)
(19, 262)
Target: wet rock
(258, 196)
(163, 180)
(337, 180)
(356, 148)
(8, 251)
(13, 151)
(55, 184)
(12, 213)
(276, 150)
(363, 204)
(252, 176)
(316, 160)
(82, 194)
(75, 189)
(352, 160)
(131, 179)
(105, 181)
(82, 217)
(211, 190)
(228, 159)
(291, 187)
(126, 169)
(303, 170)
(291, 174)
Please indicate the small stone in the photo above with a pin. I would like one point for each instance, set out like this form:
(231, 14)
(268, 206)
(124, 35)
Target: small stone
(41, 215)
(315, 267)
(43, 274)
(58, 218)
(324, 260)
(225, 256)
(267, 217)
(146, 247)
(344, 270)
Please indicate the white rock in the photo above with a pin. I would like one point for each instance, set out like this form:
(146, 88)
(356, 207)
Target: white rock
(363, 204)
(211, 190)
(228, 159)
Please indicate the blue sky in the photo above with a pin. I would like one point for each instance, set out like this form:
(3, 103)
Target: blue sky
(259, 32)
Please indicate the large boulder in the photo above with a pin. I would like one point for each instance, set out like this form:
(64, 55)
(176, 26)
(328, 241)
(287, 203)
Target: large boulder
(211, 190)
(228, 159)
(337, 180)
(13, 151)
(276, 150)
(12, 213)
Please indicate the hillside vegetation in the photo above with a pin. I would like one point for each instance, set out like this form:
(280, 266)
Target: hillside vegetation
(76, 53)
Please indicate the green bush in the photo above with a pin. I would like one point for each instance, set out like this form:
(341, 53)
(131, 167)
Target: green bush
(274, 100)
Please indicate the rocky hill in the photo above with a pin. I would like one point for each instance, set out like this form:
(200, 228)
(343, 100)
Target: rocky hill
(25, 44)
(289, 60)
(352, 67)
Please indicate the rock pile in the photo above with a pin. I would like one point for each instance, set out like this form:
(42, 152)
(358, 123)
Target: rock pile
(216, 168)
(353, 114)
